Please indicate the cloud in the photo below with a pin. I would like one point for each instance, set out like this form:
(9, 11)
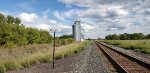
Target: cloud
(64, 15)
(109, 16)
(115, 28)
(95, 3)
(28, 17)
(43, 26)
(44, 23)
(58, 15)
(87, 27)
(45, 13)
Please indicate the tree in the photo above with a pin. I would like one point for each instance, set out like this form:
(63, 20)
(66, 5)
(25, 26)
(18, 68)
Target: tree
(147, 36)
(124, 36)
(99, 38)
(17, 21)
(108, 37)
(12, 35)
(112, 37)
(2, 19)
(45, 37)
(63, 42)
(115, 37)
(10, 19)
(69, 40)
(66, 36)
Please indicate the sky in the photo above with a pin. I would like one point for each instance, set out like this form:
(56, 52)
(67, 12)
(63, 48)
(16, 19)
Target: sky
(98, 17)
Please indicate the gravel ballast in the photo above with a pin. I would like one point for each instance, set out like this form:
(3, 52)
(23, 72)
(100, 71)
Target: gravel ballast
(137, 55)
(87, 61)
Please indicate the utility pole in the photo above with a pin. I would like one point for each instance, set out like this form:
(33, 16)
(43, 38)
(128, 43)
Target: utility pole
(53, 30)
(54, 51)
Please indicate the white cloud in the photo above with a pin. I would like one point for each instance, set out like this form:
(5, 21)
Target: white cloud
(110, 16)
(43, 26)
(64, 15)
(58, 15)
(77, 2)
(87, 27)
(117, 10)
(43, 22)
(28, 17)
(45, 13)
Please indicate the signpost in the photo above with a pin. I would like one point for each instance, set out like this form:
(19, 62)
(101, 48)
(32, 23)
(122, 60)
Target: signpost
(53, 30)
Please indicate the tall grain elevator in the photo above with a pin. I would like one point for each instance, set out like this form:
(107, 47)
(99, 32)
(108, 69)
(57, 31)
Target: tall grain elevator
(76, 31)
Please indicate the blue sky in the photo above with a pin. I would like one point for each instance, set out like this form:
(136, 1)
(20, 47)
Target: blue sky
(30, 6)
(98, 17)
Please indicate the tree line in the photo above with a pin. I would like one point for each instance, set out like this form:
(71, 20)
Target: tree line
(64, 39)
(126, 36)
(13, 33)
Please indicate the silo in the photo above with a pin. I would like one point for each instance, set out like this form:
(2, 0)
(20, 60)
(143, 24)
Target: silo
(73, 31)
(77, 30)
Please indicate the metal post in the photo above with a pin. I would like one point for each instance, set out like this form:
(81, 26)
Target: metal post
(54, 50)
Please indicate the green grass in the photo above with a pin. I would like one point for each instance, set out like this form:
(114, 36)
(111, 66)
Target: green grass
(30, 59)
(2, 68)
(142, 46)
(11, 65)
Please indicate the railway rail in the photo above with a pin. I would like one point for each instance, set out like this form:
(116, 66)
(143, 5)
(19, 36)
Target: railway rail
(122, 62)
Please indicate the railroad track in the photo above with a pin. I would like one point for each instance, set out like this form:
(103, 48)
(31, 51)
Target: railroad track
(122, 62)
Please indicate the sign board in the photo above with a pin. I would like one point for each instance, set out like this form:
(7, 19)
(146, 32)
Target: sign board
(52, 30)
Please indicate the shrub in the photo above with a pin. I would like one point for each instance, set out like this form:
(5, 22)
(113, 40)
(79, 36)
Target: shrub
(116, 43)
(132, 47)
(25, 63)
(11, 65)
(59, 56)
(63, 42)
(145, 52)
(76, 51)
(66, 54)
(2, 68)
(137, 50)
(33, 61)
(10, 45)
(45, 59)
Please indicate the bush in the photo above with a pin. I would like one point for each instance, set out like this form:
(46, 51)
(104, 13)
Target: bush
(63, 42)
(10, 45)
(2, 68)
(66, 54)
(132, 47)
(59, 56)
(45, 59)
(69, 40)
(145, 52)
(76, 51)
(11, 65)
(25, 63)
(34, 61)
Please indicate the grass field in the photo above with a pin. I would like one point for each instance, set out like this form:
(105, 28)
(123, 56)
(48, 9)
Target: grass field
(142, 46)
(11, 59)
